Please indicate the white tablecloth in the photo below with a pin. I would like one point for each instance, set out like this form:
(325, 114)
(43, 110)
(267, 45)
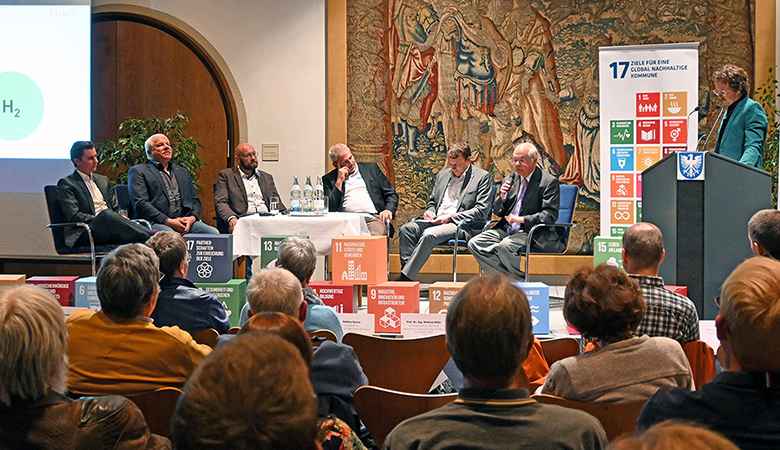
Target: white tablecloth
(321, 229)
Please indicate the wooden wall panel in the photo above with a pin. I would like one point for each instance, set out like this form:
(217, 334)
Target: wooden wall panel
(156, 74)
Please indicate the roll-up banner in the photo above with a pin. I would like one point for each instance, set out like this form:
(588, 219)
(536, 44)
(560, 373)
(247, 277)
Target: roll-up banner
(648, 95)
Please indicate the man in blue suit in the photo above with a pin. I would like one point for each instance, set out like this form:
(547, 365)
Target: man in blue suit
(163, 193)
(742, 134)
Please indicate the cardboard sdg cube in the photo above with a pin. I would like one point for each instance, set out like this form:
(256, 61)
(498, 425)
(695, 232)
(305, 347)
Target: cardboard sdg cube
(269, 247)
(440, 295)
(62, 288)
(86, 294)
(232, 295)
(538, 295)
(341, 297)
(388, 300)
(360, 260)
(682, 290)
(608, 250)
(211, 257)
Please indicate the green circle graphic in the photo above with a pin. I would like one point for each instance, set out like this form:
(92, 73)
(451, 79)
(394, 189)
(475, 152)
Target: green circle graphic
(21, 106)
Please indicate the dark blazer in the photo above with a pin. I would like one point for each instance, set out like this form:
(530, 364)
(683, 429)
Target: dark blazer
(230, 194)
(149, 196)
(744, 135)
(76, 202)
(180, 303)
(380, 189)
(540, 205)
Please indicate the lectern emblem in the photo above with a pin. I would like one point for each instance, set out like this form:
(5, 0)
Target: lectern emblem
(690, 165)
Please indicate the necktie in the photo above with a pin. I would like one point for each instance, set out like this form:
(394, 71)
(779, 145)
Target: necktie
(516, 226)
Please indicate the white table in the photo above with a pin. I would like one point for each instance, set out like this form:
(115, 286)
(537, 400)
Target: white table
(320, 229)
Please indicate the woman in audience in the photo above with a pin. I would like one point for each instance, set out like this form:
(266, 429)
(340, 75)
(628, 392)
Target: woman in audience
(606, 306)
(335, 433)
(672, 435)
(34, 414)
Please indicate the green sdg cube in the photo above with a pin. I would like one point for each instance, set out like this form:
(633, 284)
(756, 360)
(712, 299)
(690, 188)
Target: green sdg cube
(269, 246)
(608, 250)
(232, 295)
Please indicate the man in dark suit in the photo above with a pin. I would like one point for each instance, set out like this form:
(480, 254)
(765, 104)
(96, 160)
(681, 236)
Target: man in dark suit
(85, 196)
(461, 193)
(163, 193)
(244, 189)
(528, 196)
(362, 187)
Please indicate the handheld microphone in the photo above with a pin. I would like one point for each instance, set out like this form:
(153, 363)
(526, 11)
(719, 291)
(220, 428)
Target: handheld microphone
(509, 184)
(715, 125)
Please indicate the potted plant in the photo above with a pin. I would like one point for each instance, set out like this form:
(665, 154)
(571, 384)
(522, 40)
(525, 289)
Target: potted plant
(766, 94)
(128, 150)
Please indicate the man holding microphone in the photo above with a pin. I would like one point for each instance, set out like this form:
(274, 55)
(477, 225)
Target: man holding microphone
(528, 196)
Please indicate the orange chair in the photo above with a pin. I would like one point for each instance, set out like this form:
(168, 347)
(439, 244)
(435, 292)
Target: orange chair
(702, 360)
(406, 365)
(535, 367)
(382, 409)
(618, 419)
(234, 330)
(157, 407)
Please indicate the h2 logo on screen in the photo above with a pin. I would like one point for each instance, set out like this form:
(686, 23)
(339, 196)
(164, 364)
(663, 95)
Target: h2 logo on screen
(619, 66)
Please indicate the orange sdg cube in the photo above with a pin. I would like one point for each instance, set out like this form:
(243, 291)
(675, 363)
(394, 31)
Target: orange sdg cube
(360, 260)
(440, 295)
(387, 301)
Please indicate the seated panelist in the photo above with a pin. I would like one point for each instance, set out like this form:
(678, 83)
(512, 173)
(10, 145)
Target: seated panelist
(163, 192)
(88, 197)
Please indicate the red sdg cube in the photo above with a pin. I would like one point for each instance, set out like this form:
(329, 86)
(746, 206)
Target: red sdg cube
(341, 297)
(387, 301)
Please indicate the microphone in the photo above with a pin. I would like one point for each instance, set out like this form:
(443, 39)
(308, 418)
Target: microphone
(697, 108)
(722, 110)
(509, 184)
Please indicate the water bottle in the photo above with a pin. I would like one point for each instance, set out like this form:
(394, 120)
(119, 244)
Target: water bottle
(295, 196)
(319, 196)
(307, 194)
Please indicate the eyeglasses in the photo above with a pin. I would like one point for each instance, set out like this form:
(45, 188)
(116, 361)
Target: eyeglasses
(717, 301)
(162, 275)
(718, 93)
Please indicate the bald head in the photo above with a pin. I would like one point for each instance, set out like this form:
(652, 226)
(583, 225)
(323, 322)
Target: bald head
(643, 249)
(246, 158)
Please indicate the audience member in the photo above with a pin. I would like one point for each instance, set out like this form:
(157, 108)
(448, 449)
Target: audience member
(34, 413)
(251, 394)
(764, 233)
(668, 314)
(180, 303)
(335, 433)
(163, 192)
(360, 187)
(119, 350)
(87, 197)
(605, 305)
(461, 194)
(743, 402)
(489, 335)
(671, 435)
(528, 196)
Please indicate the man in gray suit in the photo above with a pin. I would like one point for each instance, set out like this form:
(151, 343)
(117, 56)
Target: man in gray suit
(461, 193)
(244, 189)
(528, 196)
(85, 196)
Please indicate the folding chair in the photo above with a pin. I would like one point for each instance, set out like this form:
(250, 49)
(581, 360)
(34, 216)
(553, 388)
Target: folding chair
(382, 409)
(407, 365)
(559, 348)
(207, 337)
(702, 360)
(322, 335)
(157, 407)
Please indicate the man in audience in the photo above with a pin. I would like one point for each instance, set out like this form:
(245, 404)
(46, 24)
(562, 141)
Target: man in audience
(163, 192)
(489, 334)
(743, 402)
(335, 367)
(264, 401)
(669, 314)
(34, 413)
(244, 190)
(119, 350)
(764, 233)
(88, 197)
(461, 194)
(180, 303)
(362, 187)
(528, 196)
